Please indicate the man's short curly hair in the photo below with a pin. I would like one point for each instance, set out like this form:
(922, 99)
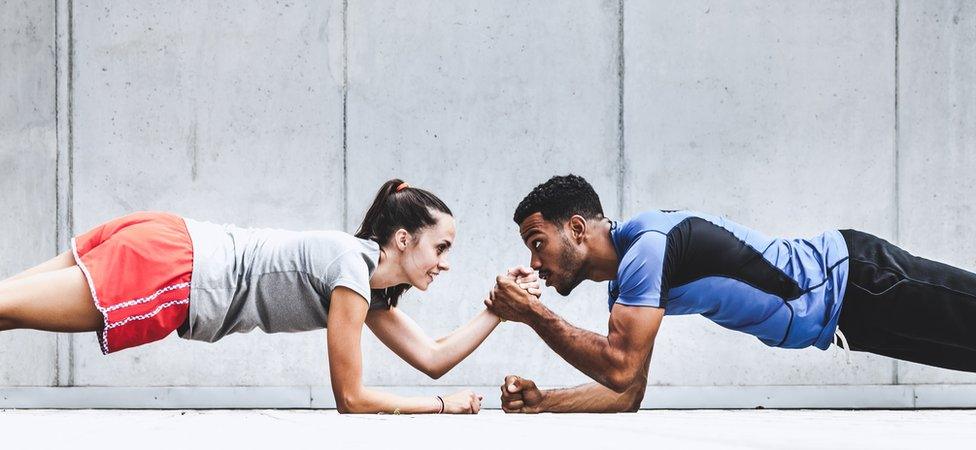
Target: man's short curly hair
(559, 199)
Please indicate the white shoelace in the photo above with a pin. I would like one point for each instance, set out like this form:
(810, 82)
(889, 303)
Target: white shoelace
(839, 336)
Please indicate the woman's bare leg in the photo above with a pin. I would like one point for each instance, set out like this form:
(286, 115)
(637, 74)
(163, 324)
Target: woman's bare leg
(58, 300)
(61, 261)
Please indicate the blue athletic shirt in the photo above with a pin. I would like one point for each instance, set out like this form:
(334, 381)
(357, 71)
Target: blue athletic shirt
(786, 292)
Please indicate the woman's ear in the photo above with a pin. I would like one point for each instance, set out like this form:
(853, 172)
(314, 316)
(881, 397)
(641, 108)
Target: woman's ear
(401, 238)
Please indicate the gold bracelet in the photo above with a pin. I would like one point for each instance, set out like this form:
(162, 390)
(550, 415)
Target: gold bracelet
(396, 411)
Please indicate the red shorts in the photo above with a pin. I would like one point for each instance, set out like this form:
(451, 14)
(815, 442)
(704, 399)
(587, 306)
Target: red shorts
(138, 267)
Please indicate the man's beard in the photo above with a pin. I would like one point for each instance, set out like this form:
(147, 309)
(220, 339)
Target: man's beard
(572, 264)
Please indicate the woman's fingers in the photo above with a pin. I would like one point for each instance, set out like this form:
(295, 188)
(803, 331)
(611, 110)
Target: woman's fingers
(534, 276)
(520, 271)
(532, 288)
(475, 403)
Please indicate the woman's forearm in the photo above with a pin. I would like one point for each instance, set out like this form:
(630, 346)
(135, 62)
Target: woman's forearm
(451, 349)
(367, 401)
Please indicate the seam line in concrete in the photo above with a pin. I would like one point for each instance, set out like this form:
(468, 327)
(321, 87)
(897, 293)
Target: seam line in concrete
(621, 140)
(57, 167)
(64, 160)
(71, 157)
(57, 132)
(345, 132)
(897, 190)
(70, 210)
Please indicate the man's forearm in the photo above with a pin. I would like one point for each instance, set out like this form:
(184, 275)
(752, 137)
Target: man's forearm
(587, 351)
(592, 397)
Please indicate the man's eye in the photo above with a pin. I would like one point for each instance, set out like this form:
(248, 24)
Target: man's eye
(537, 244)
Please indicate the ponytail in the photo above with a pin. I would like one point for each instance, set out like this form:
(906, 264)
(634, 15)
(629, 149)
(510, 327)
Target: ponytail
(398, 205)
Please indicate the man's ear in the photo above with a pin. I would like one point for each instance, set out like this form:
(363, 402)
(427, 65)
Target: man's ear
(577, 227)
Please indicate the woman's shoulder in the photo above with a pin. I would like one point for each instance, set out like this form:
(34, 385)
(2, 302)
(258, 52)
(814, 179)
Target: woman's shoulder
(337, 238)
(337, 245)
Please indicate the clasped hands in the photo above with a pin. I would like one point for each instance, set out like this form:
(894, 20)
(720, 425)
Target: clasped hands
(513, 298)
(515, 294)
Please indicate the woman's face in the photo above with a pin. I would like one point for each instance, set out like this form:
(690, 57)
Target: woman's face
(425, 255)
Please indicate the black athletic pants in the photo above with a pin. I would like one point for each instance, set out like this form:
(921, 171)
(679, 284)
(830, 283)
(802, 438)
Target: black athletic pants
(906, 307)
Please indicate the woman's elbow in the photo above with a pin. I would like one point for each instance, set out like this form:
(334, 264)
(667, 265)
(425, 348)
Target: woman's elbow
(435, 372)
(433, 365)
(344, 406)
(349, 404)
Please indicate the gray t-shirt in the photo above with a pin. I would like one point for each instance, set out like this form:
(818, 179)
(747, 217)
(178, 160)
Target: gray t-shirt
(275, 280)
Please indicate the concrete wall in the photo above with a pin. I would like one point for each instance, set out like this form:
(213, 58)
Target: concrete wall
(28, 178)
(775, 114)
(222, 111)
(936, 129)
(788, 117)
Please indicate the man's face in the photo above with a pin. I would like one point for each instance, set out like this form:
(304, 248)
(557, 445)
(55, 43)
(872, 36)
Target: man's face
(555, 254)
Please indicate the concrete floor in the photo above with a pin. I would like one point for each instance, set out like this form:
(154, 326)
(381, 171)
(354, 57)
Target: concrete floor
(287, 429)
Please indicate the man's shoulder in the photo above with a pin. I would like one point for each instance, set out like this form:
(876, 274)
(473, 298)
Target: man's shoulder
(659, 221)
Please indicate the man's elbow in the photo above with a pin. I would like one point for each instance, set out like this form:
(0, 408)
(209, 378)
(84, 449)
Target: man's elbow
(634, 401)
(619, 381)
(617, 386)
(628, 399)
(631, 399)
(624, 381)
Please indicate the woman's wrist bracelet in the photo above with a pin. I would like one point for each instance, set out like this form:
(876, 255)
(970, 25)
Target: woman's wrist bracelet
(442, 404)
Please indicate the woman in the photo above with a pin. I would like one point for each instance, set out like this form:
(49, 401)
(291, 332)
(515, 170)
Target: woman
(136, 279)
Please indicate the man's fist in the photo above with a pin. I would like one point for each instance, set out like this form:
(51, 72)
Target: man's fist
(520, 395)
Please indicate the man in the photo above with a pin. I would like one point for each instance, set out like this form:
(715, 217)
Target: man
(788, 293)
